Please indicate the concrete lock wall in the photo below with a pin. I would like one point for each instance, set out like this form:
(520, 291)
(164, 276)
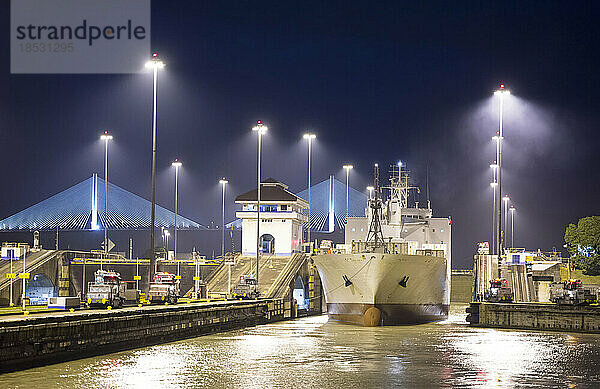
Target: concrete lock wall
(41, 340)
(461, 289)
(535, 316)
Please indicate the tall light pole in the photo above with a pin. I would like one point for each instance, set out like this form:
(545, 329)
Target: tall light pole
(105, 137)
(155, 64)
(310, 138)
(512, 226)
(494, 167)
(370, 189)
(347, 168)
(224, 183)
(494, 186)
(501, 92)
(176, 164)
(506, 199)
(261, 130)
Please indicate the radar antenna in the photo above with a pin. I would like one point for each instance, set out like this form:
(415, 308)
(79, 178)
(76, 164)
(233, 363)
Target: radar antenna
(375, 235)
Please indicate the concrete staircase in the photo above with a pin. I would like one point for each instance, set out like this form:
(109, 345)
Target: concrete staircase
(43, 261)
(275, 273)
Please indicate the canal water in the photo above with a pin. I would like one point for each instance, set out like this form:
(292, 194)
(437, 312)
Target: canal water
(317, 353)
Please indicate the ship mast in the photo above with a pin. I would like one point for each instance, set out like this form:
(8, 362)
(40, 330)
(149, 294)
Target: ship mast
(375, 235)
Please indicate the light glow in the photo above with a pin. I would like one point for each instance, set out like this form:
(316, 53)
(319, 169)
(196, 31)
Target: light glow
(348, 167)
(501, 91)
(223, 181)
(106, 136)
(309, 136)
(154, 63)
(176, 163)
(260, 128)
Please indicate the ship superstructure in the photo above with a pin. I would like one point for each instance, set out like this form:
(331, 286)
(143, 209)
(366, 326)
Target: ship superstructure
(394, 267)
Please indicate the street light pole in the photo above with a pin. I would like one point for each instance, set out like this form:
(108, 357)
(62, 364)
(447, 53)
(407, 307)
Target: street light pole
(494, 183)
(512, 226)
(504, 232)
(347, 168)
(11, 281)
(500, 92)
(155, 64)
(105, 137)
(176, 164)
(224, 182)
(24, 270)
(310, 138)
(261, 130)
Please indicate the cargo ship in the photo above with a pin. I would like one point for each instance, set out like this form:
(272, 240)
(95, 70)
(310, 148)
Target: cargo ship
(394, 267)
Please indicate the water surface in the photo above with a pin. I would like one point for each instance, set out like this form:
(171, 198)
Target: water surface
(317, 353)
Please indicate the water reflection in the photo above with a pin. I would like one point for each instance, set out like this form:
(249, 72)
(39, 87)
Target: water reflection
(314, 352)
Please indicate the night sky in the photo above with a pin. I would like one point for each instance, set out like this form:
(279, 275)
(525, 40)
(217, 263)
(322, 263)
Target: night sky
(376, 82)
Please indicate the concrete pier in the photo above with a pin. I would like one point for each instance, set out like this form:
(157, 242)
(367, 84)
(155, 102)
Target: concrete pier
(28, 341)
(535, 316)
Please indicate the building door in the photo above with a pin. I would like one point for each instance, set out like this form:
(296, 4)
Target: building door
(267, 243)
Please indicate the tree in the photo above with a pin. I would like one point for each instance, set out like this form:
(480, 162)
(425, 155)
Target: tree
(583, 242)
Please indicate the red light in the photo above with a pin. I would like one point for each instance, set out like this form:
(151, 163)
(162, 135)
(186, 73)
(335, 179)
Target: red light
(501, 86)
(258, 122)
(155, 55)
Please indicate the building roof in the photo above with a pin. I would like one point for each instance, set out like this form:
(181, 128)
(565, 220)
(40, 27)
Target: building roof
(328, 204)
(81, 207)
(270, 190)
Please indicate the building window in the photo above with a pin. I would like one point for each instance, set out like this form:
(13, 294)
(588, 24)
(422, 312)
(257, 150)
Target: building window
(284, 207)
(433, 230)
(353, 229)
(268, 208)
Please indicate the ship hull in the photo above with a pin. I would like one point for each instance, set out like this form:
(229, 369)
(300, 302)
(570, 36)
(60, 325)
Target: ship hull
(373, 289)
